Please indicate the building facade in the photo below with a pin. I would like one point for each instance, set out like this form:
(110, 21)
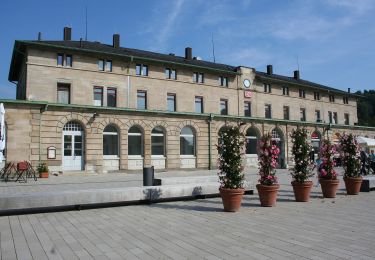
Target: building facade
(90, 106)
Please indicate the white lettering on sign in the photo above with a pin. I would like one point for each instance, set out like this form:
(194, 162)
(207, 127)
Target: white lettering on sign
(248, 94)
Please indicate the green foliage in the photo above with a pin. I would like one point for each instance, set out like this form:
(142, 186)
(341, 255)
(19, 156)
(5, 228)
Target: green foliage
(42, 167)
(301, 149)
(231, 149)
(366, 108)
(350, 155)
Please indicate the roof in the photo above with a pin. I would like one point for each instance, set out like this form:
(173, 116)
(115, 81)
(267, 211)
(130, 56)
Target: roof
(108, 50)
(300, 82)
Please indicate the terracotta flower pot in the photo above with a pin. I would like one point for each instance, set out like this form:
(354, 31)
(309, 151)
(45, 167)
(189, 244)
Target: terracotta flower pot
(231, 198)
(353, 185)
(302, 190)
(329, 187)
(268, 194)
(43, 175)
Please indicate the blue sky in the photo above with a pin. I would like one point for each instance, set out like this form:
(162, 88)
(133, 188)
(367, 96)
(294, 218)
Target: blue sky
(334, 40)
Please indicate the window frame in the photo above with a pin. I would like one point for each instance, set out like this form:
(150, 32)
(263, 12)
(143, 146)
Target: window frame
(59, 88)
(174, 101)
(302, 93)
(143, 70)
(170, 72)
(318, 118)
(223, 81)
(267, 88)
(285, 91)
(269, 106)
(118, 141)
(62, 59)
(316, 95)
(115, 96)
(247, 108)
(68, 64)
(102, 94)
(302, 112)
(346, 119)
(198, 77)
(144, 97)
(225, 102)
(286, 109)
(200, 98)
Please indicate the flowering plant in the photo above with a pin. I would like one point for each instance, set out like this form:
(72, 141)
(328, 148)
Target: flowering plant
(301, 149)
(326, 154)
(268, 154)
(350, 155)
(231, 148)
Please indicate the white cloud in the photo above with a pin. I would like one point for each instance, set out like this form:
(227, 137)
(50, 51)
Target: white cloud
(358, 6)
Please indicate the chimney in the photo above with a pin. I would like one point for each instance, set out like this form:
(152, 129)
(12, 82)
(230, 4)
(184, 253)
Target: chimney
(348, 90)
(296, 74)
(188, 53)
(116, 40)
(67, 33)
(39, 36)
(269, 70)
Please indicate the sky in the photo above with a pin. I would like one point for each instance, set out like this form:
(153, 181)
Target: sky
(331, 42)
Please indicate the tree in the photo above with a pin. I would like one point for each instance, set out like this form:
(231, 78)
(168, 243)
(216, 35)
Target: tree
(366, 108)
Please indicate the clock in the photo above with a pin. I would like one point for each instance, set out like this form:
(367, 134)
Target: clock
(246, 83)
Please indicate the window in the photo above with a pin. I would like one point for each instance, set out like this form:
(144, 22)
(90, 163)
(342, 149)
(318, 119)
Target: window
(171, 100)
(316, 96)
(141, 99)
(223, 81)
(330, 118)
(170, 73)
(302, 93)
(135, 141)
(317, 116)
(199, 105)
(267, 88)
(110, 141)
(223, 107)
(60, 59)
(141, 70)
(251, 141)
(346, 118)
(302, 114)
(286, 112)
(101, 65)
(345, 100)
(247, 108)
(331, 98)
(267, 111)
(63, 93)
(285, 91)
(157, 141)
(187, 141)
(335, 119)
(64, 60)
(105, 65)
(198, 77)
(98, 96)
(111, 97)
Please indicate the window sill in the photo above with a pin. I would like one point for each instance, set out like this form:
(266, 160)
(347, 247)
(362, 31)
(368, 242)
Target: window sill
(111, 157)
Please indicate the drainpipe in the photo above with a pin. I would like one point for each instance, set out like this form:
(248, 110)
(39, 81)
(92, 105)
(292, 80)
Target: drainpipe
(209, 142)
(287, 147)
(43, 109)
(131, 61)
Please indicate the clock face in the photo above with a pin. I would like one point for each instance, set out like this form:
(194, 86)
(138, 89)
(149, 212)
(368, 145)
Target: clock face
(246, 83)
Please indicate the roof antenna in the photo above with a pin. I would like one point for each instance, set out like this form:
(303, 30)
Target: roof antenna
(213, 46)
(86, 26)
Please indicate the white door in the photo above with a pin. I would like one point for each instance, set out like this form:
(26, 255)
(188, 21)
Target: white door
(72, 147)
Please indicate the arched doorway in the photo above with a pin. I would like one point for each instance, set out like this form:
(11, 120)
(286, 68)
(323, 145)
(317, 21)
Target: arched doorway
(158, 147)
(187, 148)
(135, 148)
(73, 147)
(111, 151)
(278, 136)
(252, 136)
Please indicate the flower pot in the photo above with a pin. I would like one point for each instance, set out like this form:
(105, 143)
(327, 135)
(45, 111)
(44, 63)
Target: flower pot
(267, 194)
(353, 185)
(329, 187)
(231, 198)
(302, 190)
(43, 175)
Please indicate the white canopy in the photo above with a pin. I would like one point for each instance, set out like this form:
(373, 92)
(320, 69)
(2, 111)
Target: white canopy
(365, 141)
(2, 131)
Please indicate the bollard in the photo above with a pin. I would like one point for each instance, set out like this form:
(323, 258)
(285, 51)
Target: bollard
(148, 176)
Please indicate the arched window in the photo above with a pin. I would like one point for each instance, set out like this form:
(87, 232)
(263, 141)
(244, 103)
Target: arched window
(187, 141)
(135, 141)
(157, 141)
(110, 140)
(251, 141)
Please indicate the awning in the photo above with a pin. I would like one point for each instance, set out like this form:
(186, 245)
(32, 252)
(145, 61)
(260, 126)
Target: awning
(365, 141)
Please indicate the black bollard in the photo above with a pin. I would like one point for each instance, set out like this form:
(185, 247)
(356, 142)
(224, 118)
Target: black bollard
(148, 176)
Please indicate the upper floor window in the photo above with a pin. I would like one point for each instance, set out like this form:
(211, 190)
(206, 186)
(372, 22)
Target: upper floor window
(286, 112)
(267, 111)
(170, 73)
(223, 107)
(317, 116)
(98, 96)
(198, 77)
(346, 118)
(141, 99)
(141, 70)
(267, 88)
(223, 81)
(330, 118)
(303, 114)
(64, 60)
(199, 105)
(345, 100)
(171, 100)
(111, 97)
(331, 98)
(247, 108)
(105, 65)
(335, 119)
(302, 93)
(63, 93)
(316, 96)
(285, 91)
